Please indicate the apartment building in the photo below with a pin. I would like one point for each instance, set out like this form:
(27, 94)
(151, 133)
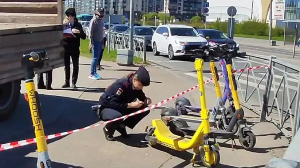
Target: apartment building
(154, 6)
(183, 9)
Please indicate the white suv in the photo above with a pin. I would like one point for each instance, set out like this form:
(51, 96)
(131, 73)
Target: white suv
(176, 40)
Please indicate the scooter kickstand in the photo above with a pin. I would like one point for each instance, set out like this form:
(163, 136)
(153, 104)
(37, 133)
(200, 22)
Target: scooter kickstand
(232, 143)
(193, 160)
(196, 152)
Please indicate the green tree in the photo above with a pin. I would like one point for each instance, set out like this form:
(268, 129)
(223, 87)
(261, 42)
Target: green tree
(123, 19)
(196, 19)
(161, 17)
(172, 18)
(150, 16)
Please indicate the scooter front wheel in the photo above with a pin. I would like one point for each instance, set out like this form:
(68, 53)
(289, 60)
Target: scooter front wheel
(214, 154)
(247, 140)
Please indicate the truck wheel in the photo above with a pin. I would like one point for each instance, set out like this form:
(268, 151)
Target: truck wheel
(9, 97)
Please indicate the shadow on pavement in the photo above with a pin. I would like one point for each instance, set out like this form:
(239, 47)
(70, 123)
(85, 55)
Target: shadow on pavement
(59, 114)
(89, 64)
(83, 89)
(255, 150)
(134, 140)
(186, 156)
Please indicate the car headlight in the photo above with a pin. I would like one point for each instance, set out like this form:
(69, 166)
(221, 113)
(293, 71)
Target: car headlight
(237, 45)
(140, 40)
(180, 43)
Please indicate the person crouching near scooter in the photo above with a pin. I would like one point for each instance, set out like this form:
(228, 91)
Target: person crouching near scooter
(120, 99)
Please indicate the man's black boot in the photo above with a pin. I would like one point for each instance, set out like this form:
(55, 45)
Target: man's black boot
(108, 134)
(122, 130)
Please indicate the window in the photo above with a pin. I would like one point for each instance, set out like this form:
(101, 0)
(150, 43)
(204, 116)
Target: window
(120, 28)
(165, 30)
(214, 35)
(143, 31)
(183, 32)
(159, 30)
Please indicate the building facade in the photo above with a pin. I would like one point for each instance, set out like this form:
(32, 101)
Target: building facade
(255, 9)
(184, 9)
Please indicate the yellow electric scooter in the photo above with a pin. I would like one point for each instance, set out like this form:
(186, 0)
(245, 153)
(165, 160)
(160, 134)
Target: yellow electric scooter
(30, 62)
(159, 133)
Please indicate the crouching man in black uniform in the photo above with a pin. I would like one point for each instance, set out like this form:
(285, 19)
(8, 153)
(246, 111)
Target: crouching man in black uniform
(120, 99)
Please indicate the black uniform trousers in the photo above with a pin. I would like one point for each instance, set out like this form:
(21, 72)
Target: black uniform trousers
(40, 79)
(74, 54)
(110, 114)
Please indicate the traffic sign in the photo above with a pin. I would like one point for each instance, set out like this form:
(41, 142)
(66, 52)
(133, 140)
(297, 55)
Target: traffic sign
(231, 11)
(205, 10)
(206, 4)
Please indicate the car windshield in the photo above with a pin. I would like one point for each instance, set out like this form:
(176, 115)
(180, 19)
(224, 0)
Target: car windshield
(143, 31)
(214, 35)
(153, 28)
(120, 28)
(183, 32)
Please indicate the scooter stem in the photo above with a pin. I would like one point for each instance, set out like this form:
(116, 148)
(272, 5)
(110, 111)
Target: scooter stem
(233, 88)
(29, 63)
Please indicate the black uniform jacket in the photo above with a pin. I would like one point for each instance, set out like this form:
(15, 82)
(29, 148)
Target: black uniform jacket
(72, 43)
(119, 94)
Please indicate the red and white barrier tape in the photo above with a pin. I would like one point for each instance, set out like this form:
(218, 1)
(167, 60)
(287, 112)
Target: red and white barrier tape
(16, 144)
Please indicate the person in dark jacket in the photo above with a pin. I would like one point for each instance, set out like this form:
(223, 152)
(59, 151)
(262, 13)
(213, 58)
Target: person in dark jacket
(71, 45)
(41, 84)
(123, 97)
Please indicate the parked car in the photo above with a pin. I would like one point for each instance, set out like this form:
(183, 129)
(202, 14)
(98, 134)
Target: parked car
(218, 37)
(144, 31)
(118, 28)
(153, 27)
(176, 40)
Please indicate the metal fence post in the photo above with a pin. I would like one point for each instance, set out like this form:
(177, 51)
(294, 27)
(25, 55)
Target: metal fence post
(108, 42)
(115, 40)
(296, 115)
(144, 50)
(266, 96)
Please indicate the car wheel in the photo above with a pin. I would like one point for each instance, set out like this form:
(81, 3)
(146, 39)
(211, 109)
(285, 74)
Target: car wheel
(171, 53)
(154, 49)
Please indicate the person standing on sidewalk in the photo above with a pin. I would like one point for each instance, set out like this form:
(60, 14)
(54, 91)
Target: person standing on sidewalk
(41, 84)
(103, 47)
(96, 40)
(71, 45)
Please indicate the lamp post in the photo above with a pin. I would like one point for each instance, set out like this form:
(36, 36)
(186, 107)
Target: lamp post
(165, 12)
(270, 22)
(131, 24)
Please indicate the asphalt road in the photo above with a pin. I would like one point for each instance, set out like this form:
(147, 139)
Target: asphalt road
(249, 83)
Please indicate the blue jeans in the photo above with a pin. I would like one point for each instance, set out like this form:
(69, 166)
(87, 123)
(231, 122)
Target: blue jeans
(97, 48)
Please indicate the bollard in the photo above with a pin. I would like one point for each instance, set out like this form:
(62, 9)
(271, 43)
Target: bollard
(144, 51)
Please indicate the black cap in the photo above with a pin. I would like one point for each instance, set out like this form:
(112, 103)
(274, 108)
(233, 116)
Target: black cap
(100, 10)
(143, 76)
(70, 12)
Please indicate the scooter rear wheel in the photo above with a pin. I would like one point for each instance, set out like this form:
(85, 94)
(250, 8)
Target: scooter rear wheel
(247, 140)
(214, 154)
